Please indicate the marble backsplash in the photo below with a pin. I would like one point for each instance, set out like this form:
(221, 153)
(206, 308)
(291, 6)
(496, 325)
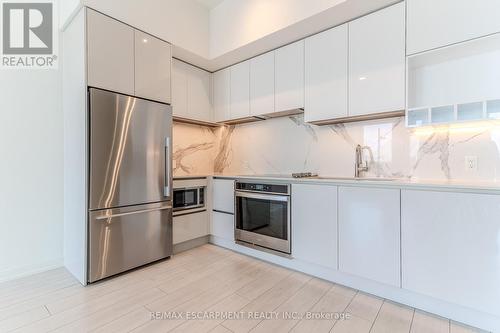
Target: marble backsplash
(287, 145)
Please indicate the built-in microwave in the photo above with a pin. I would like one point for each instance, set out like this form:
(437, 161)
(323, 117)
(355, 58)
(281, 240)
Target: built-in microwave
(189, 198)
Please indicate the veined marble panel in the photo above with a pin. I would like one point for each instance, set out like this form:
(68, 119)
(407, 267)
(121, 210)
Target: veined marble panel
(287, 145)
(194, 149)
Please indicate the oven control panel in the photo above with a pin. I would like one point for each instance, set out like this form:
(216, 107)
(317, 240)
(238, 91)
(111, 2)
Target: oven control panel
(266, 188)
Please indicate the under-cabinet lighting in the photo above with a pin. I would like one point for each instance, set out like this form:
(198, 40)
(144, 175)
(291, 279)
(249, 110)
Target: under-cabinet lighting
(473, 127)
(362, 78)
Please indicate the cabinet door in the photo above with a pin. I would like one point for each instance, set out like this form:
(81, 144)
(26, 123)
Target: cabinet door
(189, 227)
(314, 218)
(199, 94)
(110, 54)
(377, 62)
(290, 77)
(153, 67)
(223, 195)
(262, 84)
(326, 64)
(180, 88)
(433, 24)
(450, 247)
(369, 233)
(222, 226)
(221, 94)
(240, 90)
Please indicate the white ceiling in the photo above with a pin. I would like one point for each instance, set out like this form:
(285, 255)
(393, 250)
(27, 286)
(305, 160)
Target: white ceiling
(209, 3)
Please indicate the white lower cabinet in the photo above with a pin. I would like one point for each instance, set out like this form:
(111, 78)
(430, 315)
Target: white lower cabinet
(192, 226)
(451, 247)
(369, 233)
(314, 224)
(222, 226)
(223, 195)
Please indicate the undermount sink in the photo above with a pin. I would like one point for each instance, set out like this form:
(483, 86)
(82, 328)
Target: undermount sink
(384, 179)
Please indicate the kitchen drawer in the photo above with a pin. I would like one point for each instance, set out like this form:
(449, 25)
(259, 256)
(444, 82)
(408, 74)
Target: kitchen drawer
(223, 194)
(191, 226)
(222, 226)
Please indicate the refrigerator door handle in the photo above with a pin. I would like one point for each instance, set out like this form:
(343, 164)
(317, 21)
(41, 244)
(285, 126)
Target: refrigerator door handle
(105, 217)
(167, 168)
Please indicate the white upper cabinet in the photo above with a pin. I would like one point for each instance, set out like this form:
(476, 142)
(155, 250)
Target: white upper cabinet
(110, 54)
(369, 233)
(128, 61)
(314, 216)
(289, 75)
(377, 62)
(240, 90)
(199, 94)
(326, 75)
(436, 23)
(262, 84)
(180, 88)
(454, 83)
(451, 247)
(192, 92)
(222, 94)
(153, 63)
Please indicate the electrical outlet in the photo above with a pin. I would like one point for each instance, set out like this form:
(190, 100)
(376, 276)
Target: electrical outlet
(471, 163)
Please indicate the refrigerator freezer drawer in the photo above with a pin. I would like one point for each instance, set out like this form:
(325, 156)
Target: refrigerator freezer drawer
(124, 238)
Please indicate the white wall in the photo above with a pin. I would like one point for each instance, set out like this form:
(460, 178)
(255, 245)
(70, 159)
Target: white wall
(235, 23)
(66, 9)
(31, 168)
(181, 22)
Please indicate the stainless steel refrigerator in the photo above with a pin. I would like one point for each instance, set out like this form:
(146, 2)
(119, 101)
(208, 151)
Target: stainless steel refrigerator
(130, 183)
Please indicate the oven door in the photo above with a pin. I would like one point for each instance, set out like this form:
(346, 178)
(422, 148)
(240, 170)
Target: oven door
(263, 220)
(187, 198)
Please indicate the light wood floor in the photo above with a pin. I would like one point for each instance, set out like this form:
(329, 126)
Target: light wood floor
(210, 280)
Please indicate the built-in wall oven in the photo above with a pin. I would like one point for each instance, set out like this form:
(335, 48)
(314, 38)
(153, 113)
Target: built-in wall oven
(263, 215)
(189, 198)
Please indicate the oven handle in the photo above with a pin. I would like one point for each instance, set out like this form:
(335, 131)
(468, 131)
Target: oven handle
(281, 198)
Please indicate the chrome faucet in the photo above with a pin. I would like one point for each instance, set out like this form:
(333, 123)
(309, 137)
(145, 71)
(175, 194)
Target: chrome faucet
(360, 165)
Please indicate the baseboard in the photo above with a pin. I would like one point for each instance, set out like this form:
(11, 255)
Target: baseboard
(19, 272)
(190, 244)
(444, 309)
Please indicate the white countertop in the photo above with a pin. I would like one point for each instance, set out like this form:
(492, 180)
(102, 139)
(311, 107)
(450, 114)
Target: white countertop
(492, 187)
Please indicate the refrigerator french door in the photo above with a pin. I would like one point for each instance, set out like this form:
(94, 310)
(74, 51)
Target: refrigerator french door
(130, 183)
